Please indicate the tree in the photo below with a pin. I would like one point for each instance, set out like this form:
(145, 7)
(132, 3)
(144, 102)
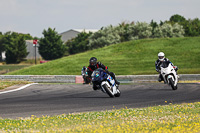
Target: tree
(15, 47)
(22, 51)
(79, 43)
(153, 25)
(51, 46)
(177, 18)
(192, 27)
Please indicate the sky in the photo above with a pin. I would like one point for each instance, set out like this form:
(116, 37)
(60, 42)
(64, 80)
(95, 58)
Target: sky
(33, 16)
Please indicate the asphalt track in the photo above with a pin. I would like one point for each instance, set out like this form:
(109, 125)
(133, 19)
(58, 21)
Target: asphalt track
(54, 99)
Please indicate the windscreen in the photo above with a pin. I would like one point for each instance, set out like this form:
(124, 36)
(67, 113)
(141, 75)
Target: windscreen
(97, 74)
(165, 64)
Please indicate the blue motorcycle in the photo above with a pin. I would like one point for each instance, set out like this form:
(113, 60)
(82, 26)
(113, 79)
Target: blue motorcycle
(105, 82)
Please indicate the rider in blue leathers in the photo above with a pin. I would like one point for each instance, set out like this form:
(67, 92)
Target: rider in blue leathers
(94, 65)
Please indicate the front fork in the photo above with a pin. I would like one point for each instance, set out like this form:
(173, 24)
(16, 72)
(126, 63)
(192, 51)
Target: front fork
(113, 88)
(175, 79)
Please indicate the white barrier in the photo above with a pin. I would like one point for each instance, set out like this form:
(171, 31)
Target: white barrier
(73, 78)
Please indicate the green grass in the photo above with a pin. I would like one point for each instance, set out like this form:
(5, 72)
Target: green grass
(163, 119)
(5, 84)
(128, 58)
(10, 68)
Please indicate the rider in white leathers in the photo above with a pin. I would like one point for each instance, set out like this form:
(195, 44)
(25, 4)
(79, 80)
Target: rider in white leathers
(161, 58)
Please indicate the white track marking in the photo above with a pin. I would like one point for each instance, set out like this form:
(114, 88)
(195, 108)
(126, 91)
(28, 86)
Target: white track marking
(21, 88)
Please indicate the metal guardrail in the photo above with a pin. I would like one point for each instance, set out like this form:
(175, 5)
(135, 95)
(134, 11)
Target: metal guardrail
(149, 78)
(41, 78)
(78, 78)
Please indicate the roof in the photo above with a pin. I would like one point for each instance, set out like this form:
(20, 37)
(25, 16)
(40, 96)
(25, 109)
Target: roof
(81, 30)
(67, 35)
(86, 30)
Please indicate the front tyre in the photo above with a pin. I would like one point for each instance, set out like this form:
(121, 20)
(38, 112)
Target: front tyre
(108, 90)
(118, 93)
(171, 82)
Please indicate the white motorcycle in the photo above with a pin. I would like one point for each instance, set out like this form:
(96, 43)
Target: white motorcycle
(105, 82)
(169, 74)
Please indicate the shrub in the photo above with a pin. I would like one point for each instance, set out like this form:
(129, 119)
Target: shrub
(140, 30)
(167, 30)
(78, 44)
(105, 36)
(51, 46)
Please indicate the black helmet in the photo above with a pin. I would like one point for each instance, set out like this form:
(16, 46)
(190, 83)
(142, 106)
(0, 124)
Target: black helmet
(93, 61)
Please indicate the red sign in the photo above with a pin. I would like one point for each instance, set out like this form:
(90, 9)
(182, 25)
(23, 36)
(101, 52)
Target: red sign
(35, 42)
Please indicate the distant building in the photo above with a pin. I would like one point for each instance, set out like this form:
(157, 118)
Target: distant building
(3, 56)
(31, 49)
(67, 35)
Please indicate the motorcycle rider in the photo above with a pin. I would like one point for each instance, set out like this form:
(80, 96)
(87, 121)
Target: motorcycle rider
(84, 74)
(161, 58)
(93, 65)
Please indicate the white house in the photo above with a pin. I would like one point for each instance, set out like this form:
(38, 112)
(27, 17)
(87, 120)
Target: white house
(67, 35)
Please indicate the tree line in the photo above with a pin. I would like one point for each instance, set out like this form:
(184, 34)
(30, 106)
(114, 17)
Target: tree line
(14, 45)
(176, 26)
(51, 46)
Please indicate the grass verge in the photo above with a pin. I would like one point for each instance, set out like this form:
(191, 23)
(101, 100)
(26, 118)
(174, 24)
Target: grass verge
(5, 84)
(169, 118)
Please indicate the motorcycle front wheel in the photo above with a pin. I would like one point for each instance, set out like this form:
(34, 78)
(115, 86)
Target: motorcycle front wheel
(108, 90)
(118, 93)
(171, 82)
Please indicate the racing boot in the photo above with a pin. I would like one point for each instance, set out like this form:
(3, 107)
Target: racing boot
(160, 78)
(117, 82)
(113, 75)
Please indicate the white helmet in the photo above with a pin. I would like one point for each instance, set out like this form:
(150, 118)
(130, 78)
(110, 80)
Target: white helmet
(161, 56)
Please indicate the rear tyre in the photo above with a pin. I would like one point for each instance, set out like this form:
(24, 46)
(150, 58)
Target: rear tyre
(171, 82)
(108, 90)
